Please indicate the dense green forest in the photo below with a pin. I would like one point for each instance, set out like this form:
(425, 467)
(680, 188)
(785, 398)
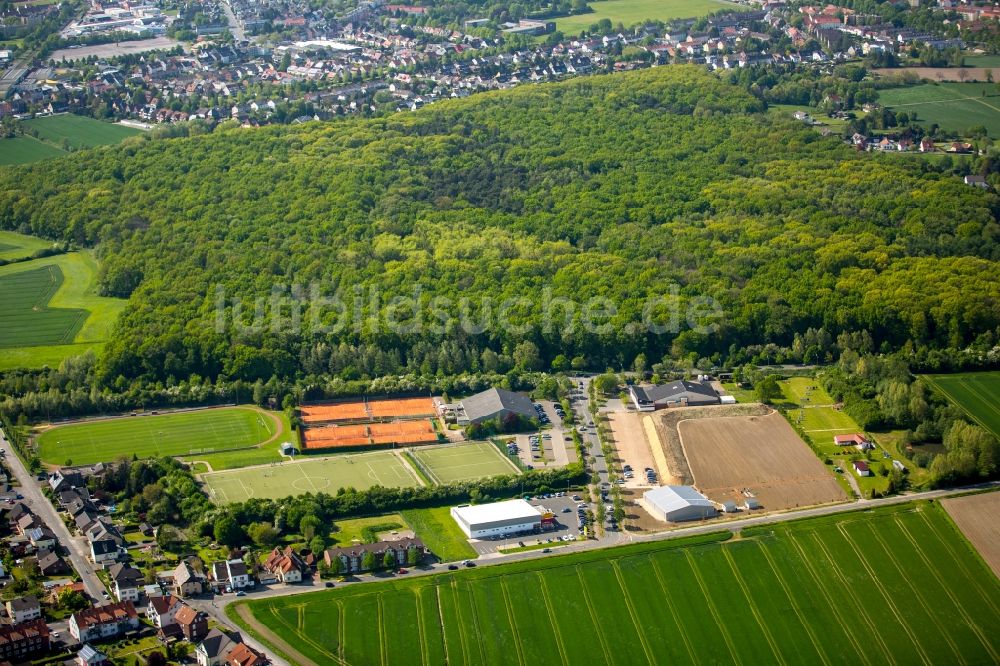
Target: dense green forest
(613, 186)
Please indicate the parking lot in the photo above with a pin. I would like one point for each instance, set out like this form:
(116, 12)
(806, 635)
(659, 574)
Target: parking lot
(566, 521)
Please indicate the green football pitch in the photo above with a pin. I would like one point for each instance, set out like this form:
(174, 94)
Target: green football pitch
(463, 462)
(895, 585)
(170, 434)
(310, 474)
(976, 393)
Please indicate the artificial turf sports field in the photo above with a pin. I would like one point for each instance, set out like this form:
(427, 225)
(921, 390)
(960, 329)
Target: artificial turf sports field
(893, 585)
(171, 434)
(462, 462)
(976, 393)
(310, 474)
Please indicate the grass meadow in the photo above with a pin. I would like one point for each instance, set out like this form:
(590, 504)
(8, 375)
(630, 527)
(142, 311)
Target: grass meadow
(26, 149)
(17, 246)
(953, 106)
(167, 434)
(440, 533)
(79, 131)
(630, 12)
(976, 393)
(35, 343)
(893, 585)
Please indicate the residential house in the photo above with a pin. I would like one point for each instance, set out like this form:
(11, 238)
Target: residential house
(861, 467)
(104, 621)
(42, 537)
(61, 480)
(56, 592)
(214, 649)
(20, 642)
(231, 574)
(187, 582)
(51, 564)
(104, 551)
(23, 609)
(193, 624)
(977, 181)
(352, 557)
(126, 580)
(285, 565)
(926, 145)
(91, 656)
(162, 611)
(854, 439)
(244, 655)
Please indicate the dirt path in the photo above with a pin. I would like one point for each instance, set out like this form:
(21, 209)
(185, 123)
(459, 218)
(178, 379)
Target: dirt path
(260, 629)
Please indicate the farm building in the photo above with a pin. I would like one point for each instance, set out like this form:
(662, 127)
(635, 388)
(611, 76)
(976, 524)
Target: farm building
(493, 403)
(751, 503)
(677, 503)
(729, 506)
(854, 439)
(498, 518)
(681, 393)
(861, 467)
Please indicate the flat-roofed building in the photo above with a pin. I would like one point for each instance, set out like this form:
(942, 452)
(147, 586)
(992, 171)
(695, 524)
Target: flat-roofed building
(497, 519)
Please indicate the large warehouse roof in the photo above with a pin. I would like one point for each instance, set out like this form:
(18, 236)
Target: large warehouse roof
(672, 498)
(494, 400)
(497, 511)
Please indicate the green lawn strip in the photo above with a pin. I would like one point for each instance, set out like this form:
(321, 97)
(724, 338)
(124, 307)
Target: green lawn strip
(440, 533)
(362, 630)
(401, 629)
(26, 149)
(977, 394)
(723, 589)
(46, 355)
(261, 455)
(432, 640)
(860, 586)
(15, 246)
(79, 131)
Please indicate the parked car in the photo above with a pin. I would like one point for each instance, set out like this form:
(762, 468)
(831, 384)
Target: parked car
(329, 584)
(452, 567)
(241, 593)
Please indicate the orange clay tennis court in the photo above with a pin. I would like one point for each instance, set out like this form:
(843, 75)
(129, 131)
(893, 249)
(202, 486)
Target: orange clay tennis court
(401, 407)
(332, 437)
(403, 432)
(341, 411)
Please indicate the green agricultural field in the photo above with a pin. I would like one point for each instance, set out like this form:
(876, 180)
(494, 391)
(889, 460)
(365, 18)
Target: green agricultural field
(462, 462)
(18, 246)
(167, 434)
(26, 319)
(26, 149)
(630, 12)
(76, 291)
(984, 61)
(977, 393)
(311, 474)
(440, 533)
(894, 585)
(953, 106)
(79, 131)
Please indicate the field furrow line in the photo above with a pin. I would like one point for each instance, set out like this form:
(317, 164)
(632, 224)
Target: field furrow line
(444, 633)
(670, 607)
(793, 604)
(712, 609)
(420, 626)
(920, 597)
(510, 620)
(947, 590)
(753, 607)
(381, 630)
(885, 595)
(300, 617)
(631, 611)
(341, 632)
(832, 603)
(475, 623)
(552, 614)
(593, 616)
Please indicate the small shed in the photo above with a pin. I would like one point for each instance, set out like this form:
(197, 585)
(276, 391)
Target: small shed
(751, 504)
(729, 506)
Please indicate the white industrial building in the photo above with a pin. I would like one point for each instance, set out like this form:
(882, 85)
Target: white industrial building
(499, 518)
(677, 503)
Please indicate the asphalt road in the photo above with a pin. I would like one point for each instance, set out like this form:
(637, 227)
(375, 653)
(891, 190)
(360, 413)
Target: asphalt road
(40, 505)
(234, 24)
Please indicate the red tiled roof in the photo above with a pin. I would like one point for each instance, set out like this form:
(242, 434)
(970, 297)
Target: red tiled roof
(13, 633)
(244, 655)
(118, 612)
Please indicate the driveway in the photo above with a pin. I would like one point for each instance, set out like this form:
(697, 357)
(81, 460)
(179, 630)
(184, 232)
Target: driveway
(78, 547)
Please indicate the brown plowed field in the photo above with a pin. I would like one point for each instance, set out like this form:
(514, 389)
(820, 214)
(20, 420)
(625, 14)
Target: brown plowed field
(761, 453)
(976, 516)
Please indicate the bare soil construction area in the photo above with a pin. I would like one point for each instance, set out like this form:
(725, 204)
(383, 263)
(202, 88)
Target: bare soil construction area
(760, 453)
(976, 516)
